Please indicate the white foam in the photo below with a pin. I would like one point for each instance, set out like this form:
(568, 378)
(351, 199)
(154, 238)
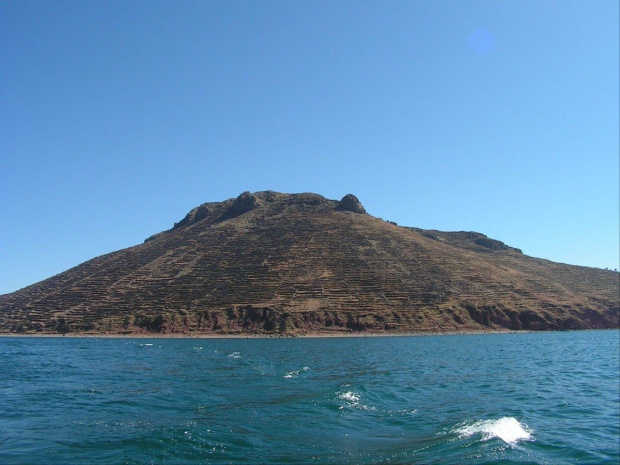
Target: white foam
(508, 429)
(349, 396)
(146, 345)
(235, 355)
(295, 373)
(352, 399)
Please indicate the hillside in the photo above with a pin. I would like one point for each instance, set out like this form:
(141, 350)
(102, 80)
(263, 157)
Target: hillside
(272, 263)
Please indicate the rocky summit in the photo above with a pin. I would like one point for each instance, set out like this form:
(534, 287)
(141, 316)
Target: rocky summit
(272, 263)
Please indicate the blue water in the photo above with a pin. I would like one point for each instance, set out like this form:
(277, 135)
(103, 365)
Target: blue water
(472, 399)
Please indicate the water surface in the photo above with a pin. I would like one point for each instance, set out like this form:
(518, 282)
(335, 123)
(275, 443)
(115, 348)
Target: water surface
(538, 398)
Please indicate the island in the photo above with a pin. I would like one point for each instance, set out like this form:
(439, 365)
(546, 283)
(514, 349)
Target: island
(275, 264)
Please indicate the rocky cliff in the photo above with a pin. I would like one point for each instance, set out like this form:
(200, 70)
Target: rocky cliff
(272, 263)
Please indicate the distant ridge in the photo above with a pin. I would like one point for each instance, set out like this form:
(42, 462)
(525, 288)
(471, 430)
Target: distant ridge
(273, 263)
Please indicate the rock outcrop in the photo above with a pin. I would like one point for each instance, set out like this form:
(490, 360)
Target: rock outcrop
(243, 204)
(273, 263)
(197, 214)
(350, 203)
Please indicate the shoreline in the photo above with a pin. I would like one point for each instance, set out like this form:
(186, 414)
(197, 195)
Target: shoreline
(310, 335)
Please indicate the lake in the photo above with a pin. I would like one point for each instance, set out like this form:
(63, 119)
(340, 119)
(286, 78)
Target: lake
(526, 398)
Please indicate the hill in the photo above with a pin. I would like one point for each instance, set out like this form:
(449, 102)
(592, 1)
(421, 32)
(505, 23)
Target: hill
(272, 263)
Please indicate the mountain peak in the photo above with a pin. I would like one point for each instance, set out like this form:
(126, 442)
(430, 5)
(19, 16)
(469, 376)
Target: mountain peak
(242, 204)
(351, 203)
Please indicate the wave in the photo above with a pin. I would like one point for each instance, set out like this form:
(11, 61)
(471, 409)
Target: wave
(508, 429)
(352, 400)
(295, 373)
(349, 396)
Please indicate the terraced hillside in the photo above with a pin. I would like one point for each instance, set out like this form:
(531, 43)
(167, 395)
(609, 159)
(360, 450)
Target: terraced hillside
(291, 264)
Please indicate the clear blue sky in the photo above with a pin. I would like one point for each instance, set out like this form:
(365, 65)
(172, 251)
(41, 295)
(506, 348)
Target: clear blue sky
(116, 118)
